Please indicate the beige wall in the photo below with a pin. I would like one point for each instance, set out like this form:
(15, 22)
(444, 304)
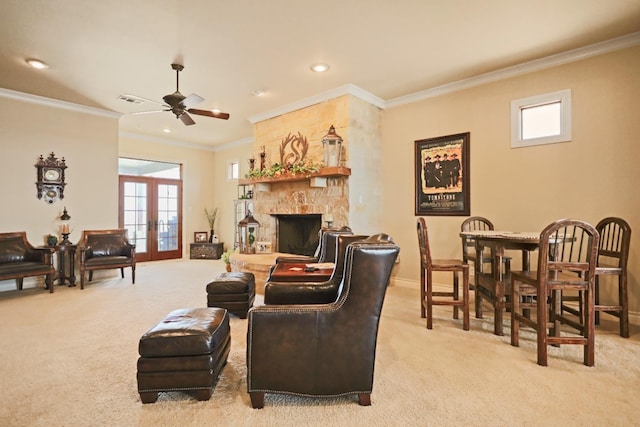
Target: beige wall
(593, 176)
(200, 180)
(89, 144)
(227, 189)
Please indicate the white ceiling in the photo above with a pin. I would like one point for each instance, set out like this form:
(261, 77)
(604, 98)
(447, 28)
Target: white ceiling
(100, 49)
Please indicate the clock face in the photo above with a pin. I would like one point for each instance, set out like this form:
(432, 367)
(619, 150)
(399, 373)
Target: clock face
(52, 175)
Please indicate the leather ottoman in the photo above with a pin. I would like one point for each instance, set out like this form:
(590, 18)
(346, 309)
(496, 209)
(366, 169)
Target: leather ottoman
(184, 352)
(234, 291)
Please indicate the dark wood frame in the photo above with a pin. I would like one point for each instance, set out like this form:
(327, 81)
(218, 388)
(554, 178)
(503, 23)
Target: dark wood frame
(201, 237)
(432, 196)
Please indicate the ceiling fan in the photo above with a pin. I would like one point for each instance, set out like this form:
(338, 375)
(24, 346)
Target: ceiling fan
(180, 105)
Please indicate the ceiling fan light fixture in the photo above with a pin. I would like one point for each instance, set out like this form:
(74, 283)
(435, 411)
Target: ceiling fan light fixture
(258, 93)
(319, 67)
(36, 63)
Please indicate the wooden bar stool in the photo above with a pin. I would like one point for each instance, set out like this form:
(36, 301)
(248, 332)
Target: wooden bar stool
(428, 266)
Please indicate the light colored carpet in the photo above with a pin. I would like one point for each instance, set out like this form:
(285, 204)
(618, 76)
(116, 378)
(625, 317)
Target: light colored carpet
(69, 359)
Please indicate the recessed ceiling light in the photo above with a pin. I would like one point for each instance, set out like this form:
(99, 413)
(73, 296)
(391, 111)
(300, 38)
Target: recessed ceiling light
(257, 93)
(319, 68)
(36, 63)
(165, 130)
(216, 110)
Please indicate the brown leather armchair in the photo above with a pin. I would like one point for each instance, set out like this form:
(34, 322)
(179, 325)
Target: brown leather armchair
(314, 292)
(325, 252)
(324, 349)
(19, 259)
(106, 249)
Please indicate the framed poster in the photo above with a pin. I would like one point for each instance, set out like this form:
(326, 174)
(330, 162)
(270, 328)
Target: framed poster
(442, 175)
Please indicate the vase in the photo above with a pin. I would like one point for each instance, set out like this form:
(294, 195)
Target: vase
(229, 268)
(211, 236)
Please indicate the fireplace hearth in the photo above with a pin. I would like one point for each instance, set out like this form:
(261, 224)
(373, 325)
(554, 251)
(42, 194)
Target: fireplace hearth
(297, 234)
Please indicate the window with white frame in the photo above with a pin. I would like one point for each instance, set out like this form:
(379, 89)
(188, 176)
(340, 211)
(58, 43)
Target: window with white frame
(233, 170)
(541, 119)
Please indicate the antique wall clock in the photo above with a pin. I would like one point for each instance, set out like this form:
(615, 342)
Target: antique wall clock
(50, 177)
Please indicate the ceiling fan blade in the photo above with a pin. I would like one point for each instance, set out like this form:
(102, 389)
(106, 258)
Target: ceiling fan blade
(192, 99)
(186, 119)
(208, 113)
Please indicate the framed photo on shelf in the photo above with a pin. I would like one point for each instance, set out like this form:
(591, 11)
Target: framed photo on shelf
(200, 237)
(263, 247)
(442, 176)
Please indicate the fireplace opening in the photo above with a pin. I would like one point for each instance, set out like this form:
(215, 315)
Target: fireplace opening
(298, 234)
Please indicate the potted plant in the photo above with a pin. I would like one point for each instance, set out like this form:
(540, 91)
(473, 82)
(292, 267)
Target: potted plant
(52, 240)
(211, 218)
(226, 255)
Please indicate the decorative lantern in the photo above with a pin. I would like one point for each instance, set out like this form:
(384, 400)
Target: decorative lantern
(332, 146)
(64, 228)
(248, 232)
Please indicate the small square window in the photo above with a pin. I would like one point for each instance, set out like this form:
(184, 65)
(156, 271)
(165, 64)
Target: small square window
(541, 119)
(233, 170)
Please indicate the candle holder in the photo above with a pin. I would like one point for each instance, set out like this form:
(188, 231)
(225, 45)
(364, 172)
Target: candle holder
(65, 239)
(64, 230)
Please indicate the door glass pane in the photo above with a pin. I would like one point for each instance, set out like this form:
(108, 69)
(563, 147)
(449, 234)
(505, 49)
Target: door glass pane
(135, 214)
(167, 239)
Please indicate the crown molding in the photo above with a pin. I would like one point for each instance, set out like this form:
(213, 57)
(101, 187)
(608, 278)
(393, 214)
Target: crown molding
(574, 55)
(348, 89)
(55, 103)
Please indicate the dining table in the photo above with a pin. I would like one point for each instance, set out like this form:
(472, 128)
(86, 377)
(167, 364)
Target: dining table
(494, 285)
(302, 272)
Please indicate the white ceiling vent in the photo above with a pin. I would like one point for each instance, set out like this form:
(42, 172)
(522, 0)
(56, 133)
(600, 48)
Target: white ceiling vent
(131, 99)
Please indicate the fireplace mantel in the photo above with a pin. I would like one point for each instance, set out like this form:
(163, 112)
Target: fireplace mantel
(317, 179)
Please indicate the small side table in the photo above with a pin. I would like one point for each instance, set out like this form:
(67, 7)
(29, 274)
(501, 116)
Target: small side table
(63, 251)
(206, 250)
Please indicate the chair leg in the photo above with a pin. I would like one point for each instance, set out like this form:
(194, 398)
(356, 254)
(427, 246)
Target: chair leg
(48, 280)
(257, 399)
(456, 295)
(515, 308)
(90, 275)
(122, 272)
(19, 282)
(541, 327)
(364, 399)
(203, 395)
(133, 275)
(423, 294)
(589, 328)
(465, 299)
(148, 396)
(429, 300)
(623, 296)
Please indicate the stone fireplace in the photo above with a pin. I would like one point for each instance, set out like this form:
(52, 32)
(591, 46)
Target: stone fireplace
(331, 198)
(350, 196)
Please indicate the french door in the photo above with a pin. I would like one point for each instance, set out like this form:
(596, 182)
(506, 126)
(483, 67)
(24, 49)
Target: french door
(150, 209)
